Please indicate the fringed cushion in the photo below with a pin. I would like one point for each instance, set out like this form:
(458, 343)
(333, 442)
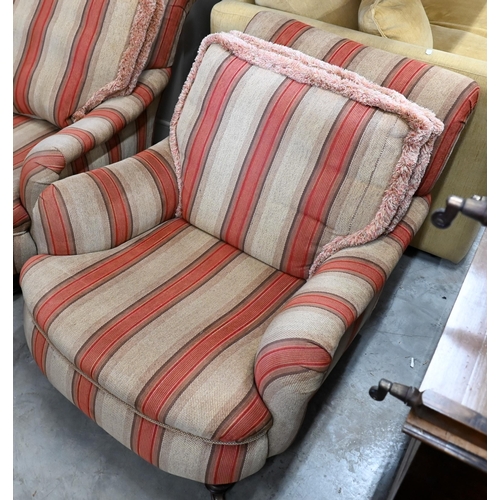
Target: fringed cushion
(69, 56)
(289, 158)
(450, 95)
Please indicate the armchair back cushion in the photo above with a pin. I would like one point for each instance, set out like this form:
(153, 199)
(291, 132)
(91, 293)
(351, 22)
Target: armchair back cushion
(259, 131)
(69, 56)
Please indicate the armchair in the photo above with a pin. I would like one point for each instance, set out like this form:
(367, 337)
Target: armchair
(191, 299)
(88, 77)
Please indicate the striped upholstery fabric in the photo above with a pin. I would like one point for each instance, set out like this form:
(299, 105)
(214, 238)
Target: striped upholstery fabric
(174, 382)
(56, 41)
(175, 305)
(314, 328)
(114, 130)
(451, 96)
(192, 352)
(27, 133)
(280, 155)
(69, 56)
(123, 200)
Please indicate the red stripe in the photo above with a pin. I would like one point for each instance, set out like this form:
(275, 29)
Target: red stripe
(453, 126)
(31, 56)
(290, 32)
(81, 54)
(164, 177)
(81, 283)
(247, 418)
(225, 464)
(84, 137)
(141, 131)
(39, 348)
(403, 234)
(31, 262)
(162, 49)
(56, 227)
(113, 116)
(259, 158)
(84, 393)
(323, 186)
(114, 150)
(282, 358)
(144, 94)
(20, 119)
(20, 214)
(369, 271)
(147, 440)
(115, 200)
(408, 73)
(334, 304)
(37, 163)
(204, 130)
(344, 53)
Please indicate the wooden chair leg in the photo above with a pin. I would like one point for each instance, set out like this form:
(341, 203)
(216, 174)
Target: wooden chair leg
(218, 491)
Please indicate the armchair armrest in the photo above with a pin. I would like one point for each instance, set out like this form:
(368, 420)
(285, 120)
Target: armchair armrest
(47, 159)
(102, 209)
(313, 329)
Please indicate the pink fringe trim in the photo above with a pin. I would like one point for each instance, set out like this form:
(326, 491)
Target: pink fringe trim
(145, 26)
(417, 146)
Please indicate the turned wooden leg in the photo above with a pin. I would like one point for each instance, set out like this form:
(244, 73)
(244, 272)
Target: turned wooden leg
(218, 491)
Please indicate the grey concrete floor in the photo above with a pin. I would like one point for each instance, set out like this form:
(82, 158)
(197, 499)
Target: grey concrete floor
(349, 445)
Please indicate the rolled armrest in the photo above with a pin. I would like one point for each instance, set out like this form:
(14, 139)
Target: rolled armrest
(101, 209)
(305, 340)
(49, 157)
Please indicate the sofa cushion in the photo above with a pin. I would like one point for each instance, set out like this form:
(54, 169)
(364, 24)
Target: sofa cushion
(462, 15)
(257, 133)
(71, 55)
(462, 43)
(450, 95)
(403, 20)
(340, 12)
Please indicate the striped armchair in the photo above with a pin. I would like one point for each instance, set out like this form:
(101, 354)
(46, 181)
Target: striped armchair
(88, 77)
(192, 299)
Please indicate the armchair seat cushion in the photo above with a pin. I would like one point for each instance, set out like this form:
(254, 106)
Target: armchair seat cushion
(181, 308)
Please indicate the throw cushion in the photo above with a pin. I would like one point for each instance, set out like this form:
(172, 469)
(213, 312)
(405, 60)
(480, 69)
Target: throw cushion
(403, 20)
(70, 56)
(265, 137)
(339, 12)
